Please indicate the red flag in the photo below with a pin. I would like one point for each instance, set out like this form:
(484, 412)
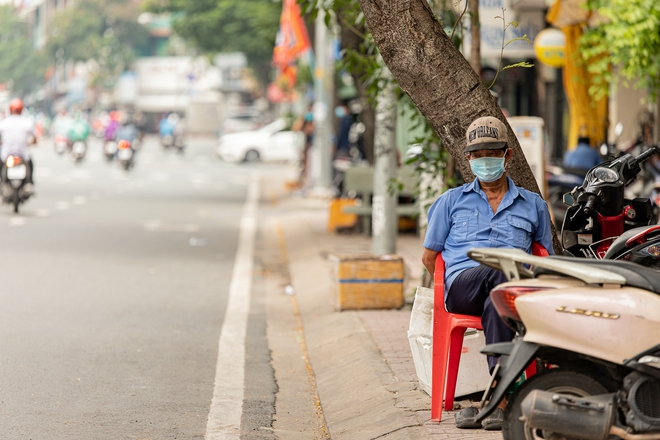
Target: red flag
(292, 39)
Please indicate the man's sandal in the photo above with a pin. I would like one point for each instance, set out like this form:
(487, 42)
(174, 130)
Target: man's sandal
(465, 418)
(494, 421)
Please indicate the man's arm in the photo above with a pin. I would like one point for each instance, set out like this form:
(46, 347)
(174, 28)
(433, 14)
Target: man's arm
(428, 259)
(436, 232)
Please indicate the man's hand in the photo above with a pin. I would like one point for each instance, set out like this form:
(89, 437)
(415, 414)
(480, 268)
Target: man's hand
(428, 259)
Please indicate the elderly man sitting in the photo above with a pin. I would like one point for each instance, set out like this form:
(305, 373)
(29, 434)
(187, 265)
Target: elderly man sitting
(489, 212)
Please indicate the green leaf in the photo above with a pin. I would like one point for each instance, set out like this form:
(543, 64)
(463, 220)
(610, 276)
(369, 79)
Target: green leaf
(521, 64)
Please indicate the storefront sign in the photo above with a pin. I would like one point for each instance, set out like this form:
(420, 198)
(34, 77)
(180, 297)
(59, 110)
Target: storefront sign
(550, 47)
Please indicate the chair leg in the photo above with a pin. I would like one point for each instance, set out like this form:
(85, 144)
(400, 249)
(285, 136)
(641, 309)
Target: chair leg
(441, 341)
(455, 350)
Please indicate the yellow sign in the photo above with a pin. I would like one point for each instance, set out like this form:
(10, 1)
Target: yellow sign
(550, 47)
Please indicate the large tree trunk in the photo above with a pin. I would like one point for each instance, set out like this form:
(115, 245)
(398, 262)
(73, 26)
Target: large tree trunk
(438, 79)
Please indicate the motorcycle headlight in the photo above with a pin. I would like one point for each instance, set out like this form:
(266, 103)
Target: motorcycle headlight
(653, 250)
(13, 161)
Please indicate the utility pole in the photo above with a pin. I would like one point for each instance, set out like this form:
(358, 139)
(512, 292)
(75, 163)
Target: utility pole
(384, 218)
(323, 95)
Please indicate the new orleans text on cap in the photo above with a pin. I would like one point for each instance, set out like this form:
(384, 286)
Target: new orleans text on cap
(483, 131)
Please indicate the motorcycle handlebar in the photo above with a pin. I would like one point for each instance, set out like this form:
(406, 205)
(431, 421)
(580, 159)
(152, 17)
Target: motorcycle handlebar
(645, 155)
(591, 201)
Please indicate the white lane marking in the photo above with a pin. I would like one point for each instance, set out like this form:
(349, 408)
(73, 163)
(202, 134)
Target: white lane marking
(79, 200)
(81, 174)
(159, 226)
(62, 205)
(43, 212)
(17, 221)
(224, 420)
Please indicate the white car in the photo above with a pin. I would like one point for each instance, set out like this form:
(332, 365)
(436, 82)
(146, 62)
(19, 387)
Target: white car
(269, 143)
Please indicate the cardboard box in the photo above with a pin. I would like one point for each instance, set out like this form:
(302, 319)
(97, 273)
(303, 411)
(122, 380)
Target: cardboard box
(368, 282)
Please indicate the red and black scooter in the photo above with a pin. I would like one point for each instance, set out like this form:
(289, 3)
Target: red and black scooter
(600, 223)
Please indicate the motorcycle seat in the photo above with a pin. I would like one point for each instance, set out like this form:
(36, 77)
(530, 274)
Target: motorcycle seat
(635, 274)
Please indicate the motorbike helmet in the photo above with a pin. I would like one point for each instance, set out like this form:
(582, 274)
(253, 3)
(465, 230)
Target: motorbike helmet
(16, 106)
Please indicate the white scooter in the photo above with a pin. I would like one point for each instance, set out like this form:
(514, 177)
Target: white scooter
(593, 326)
(78, 151)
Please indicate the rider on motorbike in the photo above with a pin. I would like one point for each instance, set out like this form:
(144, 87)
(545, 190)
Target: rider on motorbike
(111, 129)
(167, 124)
(79, 130)
(127, 131)
(17, 132)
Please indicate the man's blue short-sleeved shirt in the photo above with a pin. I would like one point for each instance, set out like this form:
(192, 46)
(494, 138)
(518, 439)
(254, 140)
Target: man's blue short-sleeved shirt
(462, 219)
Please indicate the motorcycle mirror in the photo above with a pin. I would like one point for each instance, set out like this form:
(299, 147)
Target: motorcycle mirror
(568, 199)
(604, 150)
(618, 129)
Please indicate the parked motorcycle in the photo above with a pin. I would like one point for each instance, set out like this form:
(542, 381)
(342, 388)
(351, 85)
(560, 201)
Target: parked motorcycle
(599, 214)
(14, 179)
(594, 328)
(125, 154)
(61, 143)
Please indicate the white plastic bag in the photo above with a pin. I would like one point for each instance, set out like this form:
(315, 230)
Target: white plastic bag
(420, 336)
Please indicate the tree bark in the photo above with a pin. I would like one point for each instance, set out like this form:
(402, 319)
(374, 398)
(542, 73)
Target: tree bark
(438, 79)
(475, 37)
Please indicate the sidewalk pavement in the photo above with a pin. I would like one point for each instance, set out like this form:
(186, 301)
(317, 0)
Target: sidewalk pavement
(361, 360)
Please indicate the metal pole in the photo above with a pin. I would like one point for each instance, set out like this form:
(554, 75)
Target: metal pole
(323, 93)
(384, 218)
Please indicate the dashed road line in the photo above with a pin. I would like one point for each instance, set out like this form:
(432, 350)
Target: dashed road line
(17, 221)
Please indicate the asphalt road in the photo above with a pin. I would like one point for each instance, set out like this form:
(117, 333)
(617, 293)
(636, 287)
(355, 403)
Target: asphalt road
(113, 289)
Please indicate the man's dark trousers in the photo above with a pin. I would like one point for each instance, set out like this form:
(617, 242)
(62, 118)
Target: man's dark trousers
(469, 295)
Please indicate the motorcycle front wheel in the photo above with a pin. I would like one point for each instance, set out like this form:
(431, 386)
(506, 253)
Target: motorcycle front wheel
(556, 380)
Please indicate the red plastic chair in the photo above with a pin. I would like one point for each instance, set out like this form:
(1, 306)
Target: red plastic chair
(448, 332)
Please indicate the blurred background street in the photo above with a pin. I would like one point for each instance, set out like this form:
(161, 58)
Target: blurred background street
(114, 288)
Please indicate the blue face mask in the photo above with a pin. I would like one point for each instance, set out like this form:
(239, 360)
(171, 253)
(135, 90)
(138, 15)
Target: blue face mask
(487, 169)
(340, 112)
